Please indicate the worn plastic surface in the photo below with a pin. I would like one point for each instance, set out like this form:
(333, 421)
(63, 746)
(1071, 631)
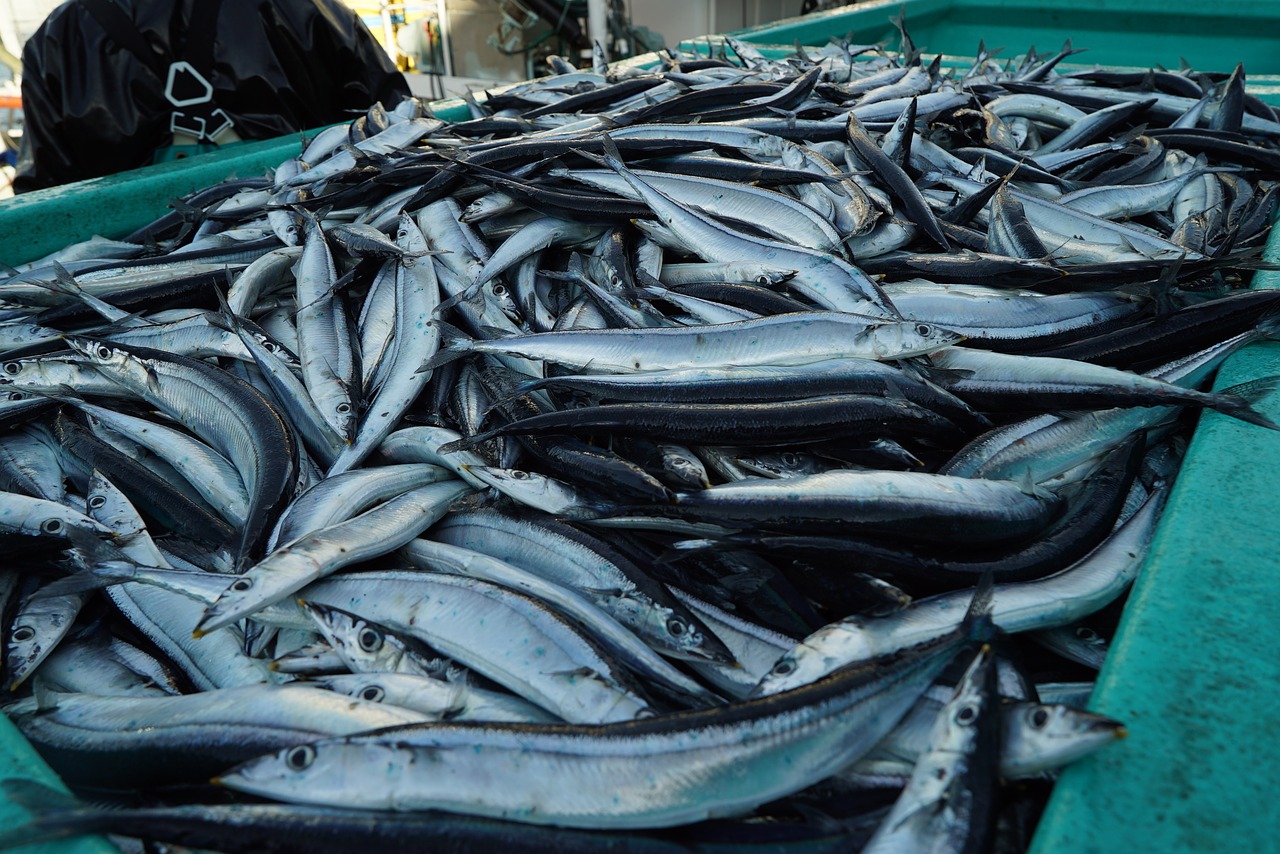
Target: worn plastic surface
(1193, 671)
(1139, 33)
(37, 223)
(18, 759)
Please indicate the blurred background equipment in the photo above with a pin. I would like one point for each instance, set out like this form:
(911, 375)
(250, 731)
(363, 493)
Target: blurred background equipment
(811, 6)
(448, 48)
(18, 20)
(451, 47)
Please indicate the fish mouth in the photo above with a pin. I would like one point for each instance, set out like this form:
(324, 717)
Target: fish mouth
(703, 655)
(1108, 726)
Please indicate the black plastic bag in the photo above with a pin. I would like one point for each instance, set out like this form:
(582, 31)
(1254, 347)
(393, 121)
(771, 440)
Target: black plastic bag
(95, 104)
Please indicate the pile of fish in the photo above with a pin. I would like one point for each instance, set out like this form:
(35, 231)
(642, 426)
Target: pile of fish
(694, 446)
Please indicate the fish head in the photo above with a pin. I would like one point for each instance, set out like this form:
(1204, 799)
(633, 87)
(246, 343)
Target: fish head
(531, 488)
(16, 370)
(24, 648)
(105, 503)
(113, 361)
(315, 773)
(684, 467)
(682, 635)
(818, 655)
(1039, 736)
(967, 723)
(365, 647)
(410, 237)
(782, 464)
(900, 339)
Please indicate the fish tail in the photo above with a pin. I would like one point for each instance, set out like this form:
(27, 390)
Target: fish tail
(1239, 401)
(1268, 327)
(54, 813)
(456, 345)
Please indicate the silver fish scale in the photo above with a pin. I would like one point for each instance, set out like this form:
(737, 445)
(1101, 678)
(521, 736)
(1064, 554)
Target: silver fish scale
(608, 622)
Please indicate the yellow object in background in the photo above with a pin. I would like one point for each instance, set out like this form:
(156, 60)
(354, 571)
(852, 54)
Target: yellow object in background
(408, 31)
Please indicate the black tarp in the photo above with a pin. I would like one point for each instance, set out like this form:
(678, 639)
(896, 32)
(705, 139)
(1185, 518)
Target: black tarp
(94, 105)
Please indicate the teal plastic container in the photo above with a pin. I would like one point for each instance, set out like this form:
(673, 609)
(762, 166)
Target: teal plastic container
(1125, 33)
(1193, 671)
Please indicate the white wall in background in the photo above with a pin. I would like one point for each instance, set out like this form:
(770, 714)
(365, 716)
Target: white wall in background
(23, 17)
(678, 20)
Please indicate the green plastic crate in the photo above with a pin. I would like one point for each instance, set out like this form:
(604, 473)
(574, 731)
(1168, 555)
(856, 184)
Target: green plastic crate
(1193, 670)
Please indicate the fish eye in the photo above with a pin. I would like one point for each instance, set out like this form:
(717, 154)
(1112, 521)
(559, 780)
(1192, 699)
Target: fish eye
(300, 757)
(17, 395)
(966, 715)
(51, 526)
(499, 290)
(373, 693)
(790, 459)
(924, 330)
(784, 667)
(370, 640)
(1039, 718)
(762, 279)
(676, 626)
(615, 280)
(96, 502)
(1086, 634)
(343, 408)
(12, 368)
(103, 351)
(517, 474)
(242, 584)
(22, 634)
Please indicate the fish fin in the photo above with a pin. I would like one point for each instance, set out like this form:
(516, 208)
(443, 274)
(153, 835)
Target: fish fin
(934, 68)
(579, 672)
(584, 514)
(54, 814)
(449, 333)
(611, 151)
(224, 309)
(466, 443)
(64, 281)
(465, 295)
(978, 624)
(497, 333)
(92, 547)
(46, 698)
(942, 375)
(78, 582)
(1269, 327)
(612, 592)
(453, 350)
(1246, 395)
(910, 55)
(36, 797)
(1028, 486)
